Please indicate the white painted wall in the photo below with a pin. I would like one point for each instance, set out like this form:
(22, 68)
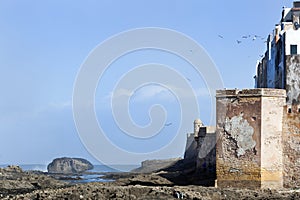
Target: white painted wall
(292, 37)
(287, 15)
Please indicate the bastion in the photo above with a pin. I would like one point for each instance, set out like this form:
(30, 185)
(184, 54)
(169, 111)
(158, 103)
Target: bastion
(249, 138)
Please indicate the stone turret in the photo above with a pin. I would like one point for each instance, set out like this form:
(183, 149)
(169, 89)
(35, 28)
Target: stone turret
(197, 124)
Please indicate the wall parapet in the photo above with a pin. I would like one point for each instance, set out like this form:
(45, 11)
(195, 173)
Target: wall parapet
(259, 92)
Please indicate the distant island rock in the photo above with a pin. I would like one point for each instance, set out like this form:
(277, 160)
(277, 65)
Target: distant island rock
(69, 165)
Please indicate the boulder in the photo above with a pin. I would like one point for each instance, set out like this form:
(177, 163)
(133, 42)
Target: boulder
(13, 168)
(69, 165)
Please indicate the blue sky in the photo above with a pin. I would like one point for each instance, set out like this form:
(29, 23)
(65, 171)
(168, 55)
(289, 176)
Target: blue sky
(44, 43)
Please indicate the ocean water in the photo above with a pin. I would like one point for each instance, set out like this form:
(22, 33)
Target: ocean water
(28, 167)
(93, 175)
(96, 169)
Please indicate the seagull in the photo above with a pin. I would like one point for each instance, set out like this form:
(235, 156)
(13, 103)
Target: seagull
(244, 37)
(238, 41)
(258, 36)
(168, 124)
(220, 36)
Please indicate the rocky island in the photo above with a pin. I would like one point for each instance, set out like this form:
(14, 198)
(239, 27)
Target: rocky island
(69, 165)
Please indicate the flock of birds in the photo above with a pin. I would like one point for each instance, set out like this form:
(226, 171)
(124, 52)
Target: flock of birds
(244, 37)
(252, 38)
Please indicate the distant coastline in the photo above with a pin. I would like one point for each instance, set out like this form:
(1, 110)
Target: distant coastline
(97, 168)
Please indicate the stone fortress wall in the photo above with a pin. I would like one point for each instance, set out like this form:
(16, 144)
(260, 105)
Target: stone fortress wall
(256, 141)
(249, 132)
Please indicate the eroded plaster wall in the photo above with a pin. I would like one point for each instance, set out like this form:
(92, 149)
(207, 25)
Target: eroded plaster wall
(249, 138)
(238, 139)
(293, 79)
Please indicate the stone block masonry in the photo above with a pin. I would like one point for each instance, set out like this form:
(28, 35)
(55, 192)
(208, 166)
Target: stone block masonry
(249, 138)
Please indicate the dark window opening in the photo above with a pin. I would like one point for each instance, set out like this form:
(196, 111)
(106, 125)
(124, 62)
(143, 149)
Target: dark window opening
(289, 110)
(293, 49)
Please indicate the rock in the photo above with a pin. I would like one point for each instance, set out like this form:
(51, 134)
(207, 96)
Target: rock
(13, 180)
(155, 165)
(140, 192)
(13, 168)
(69, 165)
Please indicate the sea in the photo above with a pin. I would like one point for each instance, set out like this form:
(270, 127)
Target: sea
(93, 175)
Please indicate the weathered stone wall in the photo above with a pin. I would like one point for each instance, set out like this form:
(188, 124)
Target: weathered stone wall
(291, 146)
(293, 79)
(271, 140)
(190, 153)
(206, 158)
(291, 125)
(200, 152)
(238, 139)
(245, 131)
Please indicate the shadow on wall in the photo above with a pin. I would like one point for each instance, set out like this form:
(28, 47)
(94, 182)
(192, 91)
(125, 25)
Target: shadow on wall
(186, 172)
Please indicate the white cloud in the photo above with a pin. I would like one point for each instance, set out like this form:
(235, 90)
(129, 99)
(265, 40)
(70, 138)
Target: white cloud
(156, 92)
(162, 93)
(153, 91)
(60, 105)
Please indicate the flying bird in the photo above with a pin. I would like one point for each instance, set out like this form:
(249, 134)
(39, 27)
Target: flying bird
(238, 41)
(168, 124)
(220, 36)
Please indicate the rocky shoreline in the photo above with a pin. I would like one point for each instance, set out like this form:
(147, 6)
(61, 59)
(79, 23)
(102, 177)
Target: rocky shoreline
(18, 184)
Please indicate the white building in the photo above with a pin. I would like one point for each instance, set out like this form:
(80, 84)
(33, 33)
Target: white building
(280, 67)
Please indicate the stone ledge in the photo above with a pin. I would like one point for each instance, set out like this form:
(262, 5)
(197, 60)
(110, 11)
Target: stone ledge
(259, 92)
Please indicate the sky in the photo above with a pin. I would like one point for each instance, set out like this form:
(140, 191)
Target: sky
(43, 48)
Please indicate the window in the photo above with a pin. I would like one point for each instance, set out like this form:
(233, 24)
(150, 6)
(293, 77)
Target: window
(293, 49)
